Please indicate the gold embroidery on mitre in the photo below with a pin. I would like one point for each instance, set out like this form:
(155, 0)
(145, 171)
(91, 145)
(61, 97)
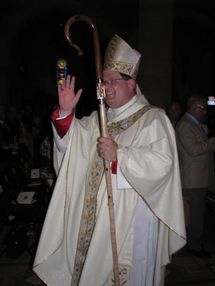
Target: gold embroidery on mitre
(120, 67)
(120, 57)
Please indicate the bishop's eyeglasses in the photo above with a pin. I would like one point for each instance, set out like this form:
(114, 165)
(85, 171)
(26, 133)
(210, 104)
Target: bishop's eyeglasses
(112, 81)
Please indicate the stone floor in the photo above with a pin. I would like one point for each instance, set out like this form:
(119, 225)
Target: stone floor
(184, 270)
(188, 270)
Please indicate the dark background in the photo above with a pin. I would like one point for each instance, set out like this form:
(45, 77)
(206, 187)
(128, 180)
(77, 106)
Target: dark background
(32, 39)
(175, 37)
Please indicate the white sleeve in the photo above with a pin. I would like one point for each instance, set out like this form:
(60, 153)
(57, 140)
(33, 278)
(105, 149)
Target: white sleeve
(122, 183)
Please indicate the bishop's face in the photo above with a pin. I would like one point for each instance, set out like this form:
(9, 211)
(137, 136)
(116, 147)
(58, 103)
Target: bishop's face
(118, 90)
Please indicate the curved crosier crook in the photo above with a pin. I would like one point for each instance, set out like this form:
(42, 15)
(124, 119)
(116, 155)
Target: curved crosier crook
(97, 52)
(103, 122)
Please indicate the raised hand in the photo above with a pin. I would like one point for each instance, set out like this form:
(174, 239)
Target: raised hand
(68, 99)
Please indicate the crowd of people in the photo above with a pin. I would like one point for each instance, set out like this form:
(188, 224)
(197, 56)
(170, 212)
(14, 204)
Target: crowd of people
(27, 177)
(23, 129)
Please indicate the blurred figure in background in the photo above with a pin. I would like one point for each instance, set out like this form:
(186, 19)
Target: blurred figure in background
(46, 156)
(174, 112)
(13, 123)
(196, 166)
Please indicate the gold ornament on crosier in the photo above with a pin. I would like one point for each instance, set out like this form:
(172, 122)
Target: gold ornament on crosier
(61, 71)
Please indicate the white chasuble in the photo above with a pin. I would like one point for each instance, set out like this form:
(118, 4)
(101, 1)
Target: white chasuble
(148, 164)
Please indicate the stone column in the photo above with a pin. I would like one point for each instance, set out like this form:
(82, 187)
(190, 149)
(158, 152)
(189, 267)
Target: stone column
(155, 39)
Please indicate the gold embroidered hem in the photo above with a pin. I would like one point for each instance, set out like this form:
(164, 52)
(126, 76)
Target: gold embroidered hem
(124, 276)
(88, 218)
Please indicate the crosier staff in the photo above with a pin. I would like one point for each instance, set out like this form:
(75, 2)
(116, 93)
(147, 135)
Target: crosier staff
(103, 124)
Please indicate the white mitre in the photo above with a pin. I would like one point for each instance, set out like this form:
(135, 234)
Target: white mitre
(120, 57)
